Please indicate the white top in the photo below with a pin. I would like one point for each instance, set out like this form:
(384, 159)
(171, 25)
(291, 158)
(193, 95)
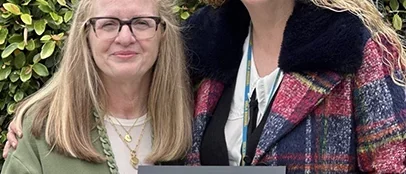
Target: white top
(120, 150)
(234, 125)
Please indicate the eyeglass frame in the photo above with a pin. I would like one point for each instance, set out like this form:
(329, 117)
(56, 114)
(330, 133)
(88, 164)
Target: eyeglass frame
(158, 20)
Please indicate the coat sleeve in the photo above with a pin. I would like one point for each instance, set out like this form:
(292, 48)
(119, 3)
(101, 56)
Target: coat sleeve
(15, 165)
(25, 159)
(380, 114)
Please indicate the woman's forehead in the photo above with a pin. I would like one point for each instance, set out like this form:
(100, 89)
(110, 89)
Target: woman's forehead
(125, 8)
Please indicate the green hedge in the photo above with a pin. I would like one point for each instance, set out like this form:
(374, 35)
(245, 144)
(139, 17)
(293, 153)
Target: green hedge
(32, 34)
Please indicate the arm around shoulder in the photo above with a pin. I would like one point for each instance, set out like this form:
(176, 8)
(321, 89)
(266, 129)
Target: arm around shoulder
(15, 165)
(25, 159)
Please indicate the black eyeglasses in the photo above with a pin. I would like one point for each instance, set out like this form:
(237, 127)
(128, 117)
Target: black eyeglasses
(140, 27)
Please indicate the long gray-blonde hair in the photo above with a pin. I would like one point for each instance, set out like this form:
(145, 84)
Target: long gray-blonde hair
(63, 107)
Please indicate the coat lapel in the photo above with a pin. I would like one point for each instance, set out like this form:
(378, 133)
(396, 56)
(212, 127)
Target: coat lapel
(298, 95)
(207, 96)
(213, 149)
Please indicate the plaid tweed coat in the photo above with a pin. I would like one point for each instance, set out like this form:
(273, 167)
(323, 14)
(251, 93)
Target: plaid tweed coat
(337, 109)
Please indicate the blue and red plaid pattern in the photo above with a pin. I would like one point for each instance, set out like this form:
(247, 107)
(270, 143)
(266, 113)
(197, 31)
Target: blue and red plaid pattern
(327, 122)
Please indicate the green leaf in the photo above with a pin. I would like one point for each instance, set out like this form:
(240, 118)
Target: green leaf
(26, 73)
(4, 73)
(2, 85)
(404, 4)
(62, 2)
(45, 38)
(52, 24)
(19, 60)
(12, 8)
(30, 55)
(42, 2)
(47, 49)
(59, 20)
(49, 63)
(30, 45)
(54, 16)
(12, 88)
(14, 76)
(45, 8)
(9, 49)
(185, 15)
(36, 58)
(6, 15)
(60, 35)
(3, 135)
(16, 38)
(21, 45)
(7, 61)
(68, 16)
(18, 96)
(397, 22)
(26, 18)
(11, 108)
(51, 4)
(394, 4)
(25, 87)
(39, 26)
(26, 2)
(176, 9)
(40, 69)
(3, 35)
(74, 1)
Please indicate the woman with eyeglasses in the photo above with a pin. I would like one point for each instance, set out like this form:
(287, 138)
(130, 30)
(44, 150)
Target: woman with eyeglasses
(317, 86)
(120, 98)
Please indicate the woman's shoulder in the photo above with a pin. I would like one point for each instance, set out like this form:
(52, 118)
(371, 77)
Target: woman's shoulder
(28, 117)
(24, 158)
(320, 39)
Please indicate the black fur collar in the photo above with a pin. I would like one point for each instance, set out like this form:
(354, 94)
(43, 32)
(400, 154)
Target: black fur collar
(315, 39)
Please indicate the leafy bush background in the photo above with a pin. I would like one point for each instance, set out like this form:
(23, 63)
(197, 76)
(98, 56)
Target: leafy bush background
(32, 34)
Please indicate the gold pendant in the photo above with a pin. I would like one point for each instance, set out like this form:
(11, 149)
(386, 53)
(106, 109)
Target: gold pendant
(128, 138)
(134, 160)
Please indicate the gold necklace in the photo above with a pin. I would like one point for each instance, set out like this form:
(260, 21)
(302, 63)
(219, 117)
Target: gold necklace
(133, 155)
(127, 136)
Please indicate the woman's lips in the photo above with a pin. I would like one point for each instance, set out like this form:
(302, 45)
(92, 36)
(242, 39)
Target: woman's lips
(125, 54)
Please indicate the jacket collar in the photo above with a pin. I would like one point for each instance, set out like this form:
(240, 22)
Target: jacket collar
(315, 40)
(298, 96)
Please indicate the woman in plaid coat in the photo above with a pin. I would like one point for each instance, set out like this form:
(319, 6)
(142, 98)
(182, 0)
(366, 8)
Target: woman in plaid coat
(324, 79)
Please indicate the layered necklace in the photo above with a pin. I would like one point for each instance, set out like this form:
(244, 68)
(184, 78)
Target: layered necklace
(127, 137)
(134, 160)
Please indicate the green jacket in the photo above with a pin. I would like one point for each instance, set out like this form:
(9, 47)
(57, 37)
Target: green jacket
(33, 156)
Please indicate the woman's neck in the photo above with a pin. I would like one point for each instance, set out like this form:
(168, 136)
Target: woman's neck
(127, 99)
(270, 15)
(268, 19)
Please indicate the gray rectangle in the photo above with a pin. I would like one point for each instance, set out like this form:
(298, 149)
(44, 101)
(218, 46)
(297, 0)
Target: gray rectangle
(211, 170)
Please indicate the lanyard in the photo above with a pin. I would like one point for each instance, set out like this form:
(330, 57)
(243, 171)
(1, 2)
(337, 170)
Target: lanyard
(246, 98)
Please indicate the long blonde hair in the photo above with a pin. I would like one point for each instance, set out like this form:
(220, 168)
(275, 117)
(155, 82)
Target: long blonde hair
(381, 31)
(63, 107)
